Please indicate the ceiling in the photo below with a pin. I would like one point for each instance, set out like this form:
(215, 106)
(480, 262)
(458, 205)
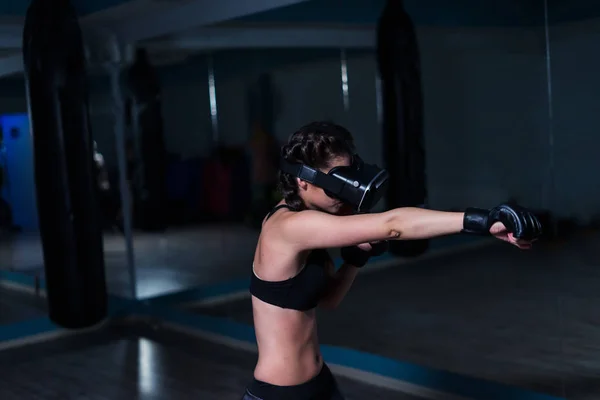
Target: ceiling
(180, 27)
(505, 12)
(438, 12)
(424, 12)
(19, 7)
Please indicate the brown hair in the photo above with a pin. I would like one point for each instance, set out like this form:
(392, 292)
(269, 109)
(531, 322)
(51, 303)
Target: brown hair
(315, 145)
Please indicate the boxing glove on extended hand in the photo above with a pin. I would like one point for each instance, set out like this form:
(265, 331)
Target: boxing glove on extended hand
(358, 257)
(521, 222)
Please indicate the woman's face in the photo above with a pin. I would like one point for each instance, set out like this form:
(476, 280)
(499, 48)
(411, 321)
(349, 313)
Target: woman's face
(315, 198)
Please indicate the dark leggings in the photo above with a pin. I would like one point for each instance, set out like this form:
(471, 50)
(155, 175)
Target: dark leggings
(321, 387)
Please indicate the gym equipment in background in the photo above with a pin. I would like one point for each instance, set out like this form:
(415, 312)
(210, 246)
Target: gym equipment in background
(264, 150)
(55, 76)
(150, 175)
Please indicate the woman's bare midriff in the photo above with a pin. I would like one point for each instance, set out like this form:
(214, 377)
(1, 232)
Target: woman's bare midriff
(288, 345)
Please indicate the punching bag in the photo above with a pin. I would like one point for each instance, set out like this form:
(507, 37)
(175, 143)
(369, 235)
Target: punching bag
(263, 147)
(71, 235)
(404, 153)
(151, 179)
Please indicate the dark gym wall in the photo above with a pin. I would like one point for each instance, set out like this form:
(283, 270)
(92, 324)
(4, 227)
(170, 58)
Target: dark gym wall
(575, 63)
(482, 88)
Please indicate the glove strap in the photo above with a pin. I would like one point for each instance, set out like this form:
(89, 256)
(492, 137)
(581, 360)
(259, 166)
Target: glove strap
(475, 221)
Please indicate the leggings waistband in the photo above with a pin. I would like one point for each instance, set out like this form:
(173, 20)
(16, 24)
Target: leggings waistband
(322, 386)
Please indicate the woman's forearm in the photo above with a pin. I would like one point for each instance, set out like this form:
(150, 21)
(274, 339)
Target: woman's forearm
(412, 223)
(339, 286)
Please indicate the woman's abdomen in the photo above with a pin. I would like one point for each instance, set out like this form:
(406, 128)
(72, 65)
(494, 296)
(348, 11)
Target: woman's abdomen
(288, 346)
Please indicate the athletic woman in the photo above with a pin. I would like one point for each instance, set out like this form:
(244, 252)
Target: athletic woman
(293, 274)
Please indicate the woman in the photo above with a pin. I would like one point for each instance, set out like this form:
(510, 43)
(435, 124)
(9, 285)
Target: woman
(292, 274)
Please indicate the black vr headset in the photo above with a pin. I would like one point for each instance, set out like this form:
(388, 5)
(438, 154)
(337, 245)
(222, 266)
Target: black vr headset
(360, 185)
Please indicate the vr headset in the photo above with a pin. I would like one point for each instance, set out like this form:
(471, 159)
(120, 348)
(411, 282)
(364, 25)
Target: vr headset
(360, 185)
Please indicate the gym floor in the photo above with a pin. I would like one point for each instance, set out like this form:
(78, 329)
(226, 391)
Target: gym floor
(16, 306)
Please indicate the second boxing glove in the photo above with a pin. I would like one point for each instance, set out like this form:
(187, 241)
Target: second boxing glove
(358, 257)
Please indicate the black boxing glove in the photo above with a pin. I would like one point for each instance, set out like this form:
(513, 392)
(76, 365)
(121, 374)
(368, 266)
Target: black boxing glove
(358, 257)
(318, 256)
(521, 222)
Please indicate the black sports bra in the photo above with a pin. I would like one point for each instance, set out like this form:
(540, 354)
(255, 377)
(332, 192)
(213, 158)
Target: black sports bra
(301, 292)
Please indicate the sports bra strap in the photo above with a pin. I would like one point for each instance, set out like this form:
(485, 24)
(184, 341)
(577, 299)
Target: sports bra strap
(279, 207)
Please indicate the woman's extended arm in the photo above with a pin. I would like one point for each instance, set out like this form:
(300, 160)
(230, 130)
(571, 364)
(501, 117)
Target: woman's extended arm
(313, 229)
(417, 223)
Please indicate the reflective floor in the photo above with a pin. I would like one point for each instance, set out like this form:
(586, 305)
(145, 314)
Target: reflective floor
(138, 362)
(16, 306)
(527, 319)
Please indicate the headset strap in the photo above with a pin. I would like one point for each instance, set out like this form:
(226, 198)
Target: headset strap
(311, 175)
